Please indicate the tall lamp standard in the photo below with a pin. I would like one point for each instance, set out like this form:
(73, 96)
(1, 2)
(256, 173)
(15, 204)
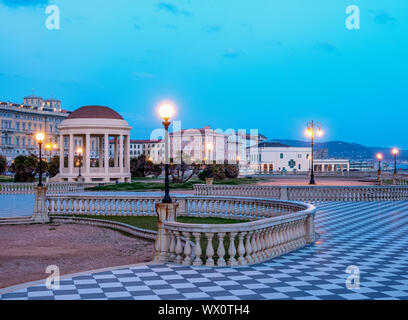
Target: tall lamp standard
(40, 138)
(395, 152)
(311, 127)
(166, 111)
(379, 157)
(79, 151)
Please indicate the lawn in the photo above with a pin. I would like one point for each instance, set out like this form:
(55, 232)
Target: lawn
(150, 222)
(4, 178)
(144, 186)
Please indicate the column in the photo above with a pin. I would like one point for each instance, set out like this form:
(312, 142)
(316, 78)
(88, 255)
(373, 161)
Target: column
(106, 153)
(115, 152)
(127, 152)
(100, 151)
(71, 153)
(61, 145)
(121, 153)
(87, 153)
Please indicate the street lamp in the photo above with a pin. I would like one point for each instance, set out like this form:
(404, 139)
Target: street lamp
(379, 157)
(311, 131)
(395, 152)
(166, 111)
(79, 151)
(40, 138)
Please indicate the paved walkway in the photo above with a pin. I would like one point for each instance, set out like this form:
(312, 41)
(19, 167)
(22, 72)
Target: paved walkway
(370, 235)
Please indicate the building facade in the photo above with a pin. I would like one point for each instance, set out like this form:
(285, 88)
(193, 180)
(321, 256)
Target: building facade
(20, 122)
(273, 157)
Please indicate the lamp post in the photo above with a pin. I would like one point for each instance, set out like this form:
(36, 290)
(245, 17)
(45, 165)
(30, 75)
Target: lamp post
(310, 131)
(379, 157)
(394, 176)
(40, 138)
(166, 111)
(79, 151)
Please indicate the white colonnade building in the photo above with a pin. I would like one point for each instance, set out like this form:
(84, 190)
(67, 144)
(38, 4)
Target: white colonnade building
(100, 125)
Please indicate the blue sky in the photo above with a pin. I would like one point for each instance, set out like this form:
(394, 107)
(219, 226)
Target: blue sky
(269, 65)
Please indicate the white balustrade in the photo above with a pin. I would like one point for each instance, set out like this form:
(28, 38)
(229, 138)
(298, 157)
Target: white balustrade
(312, 193)
(52, 187)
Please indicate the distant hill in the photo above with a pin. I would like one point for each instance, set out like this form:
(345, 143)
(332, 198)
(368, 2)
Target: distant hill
(341, 149)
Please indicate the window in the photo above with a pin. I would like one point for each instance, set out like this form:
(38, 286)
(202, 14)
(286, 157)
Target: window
(17, 141)
(281, 155)
(299, 166)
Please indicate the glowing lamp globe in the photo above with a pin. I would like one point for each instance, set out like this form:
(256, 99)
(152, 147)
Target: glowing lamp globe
(40, 137)
(166, 111)
(395, 151)
(379, 156)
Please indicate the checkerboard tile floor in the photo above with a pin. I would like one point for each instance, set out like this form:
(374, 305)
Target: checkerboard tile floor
(370, 235)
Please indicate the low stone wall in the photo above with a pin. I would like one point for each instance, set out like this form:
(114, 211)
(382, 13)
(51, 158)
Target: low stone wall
(308, 193)
(138, 232)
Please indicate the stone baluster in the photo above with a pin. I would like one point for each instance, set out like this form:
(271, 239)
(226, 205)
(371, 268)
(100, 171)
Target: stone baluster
(241, 249)
(179, 248)
(187, 249)
(197, 249)
(221, 250)
(231, 250)
(210, 250)
(248, 248)
(172, 246)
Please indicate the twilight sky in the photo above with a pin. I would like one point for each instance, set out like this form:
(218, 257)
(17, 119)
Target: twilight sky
(259, 64)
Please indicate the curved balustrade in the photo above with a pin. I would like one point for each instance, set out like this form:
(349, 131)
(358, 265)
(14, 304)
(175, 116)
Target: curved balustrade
(309, 193)
(275, 227)
(237, 208)
(28, 187)
(241, 243)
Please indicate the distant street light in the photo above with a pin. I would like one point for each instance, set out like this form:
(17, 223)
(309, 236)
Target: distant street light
(395, 152)
(40, 138)
(379, 157)
(394, 176)
(166, 111)
(310, 131)
(79, 151)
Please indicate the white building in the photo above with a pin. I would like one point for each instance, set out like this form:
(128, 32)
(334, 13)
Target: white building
(270, 157)
(152, 149)
(276, 157)
(206, 144)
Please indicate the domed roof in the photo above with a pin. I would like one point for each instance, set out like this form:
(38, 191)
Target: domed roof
(89, 112)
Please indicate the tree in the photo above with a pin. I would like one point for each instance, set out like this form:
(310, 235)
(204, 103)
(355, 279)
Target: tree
(219, 171)
(183, 169)
(3, 164)
(53, 166)
(25, 168)
(141, 167)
